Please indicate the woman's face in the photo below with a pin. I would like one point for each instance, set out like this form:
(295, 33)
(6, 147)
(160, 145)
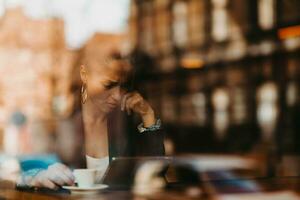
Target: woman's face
(103, 83)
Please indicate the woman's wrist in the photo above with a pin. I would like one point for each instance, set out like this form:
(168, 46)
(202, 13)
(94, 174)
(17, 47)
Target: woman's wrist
(148, 119)
(27, 178)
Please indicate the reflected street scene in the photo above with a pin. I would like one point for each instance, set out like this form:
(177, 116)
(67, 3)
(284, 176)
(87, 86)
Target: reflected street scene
(150, 99)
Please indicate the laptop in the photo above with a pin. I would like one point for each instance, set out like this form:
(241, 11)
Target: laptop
(121, 172)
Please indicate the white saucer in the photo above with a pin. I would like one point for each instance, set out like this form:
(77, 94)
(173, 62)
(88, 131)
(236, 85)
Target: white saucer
(92, 189)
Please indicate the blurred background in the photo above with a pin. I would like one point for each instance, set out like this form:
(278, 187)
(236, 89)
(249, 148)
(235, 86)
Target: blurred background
(223, 75)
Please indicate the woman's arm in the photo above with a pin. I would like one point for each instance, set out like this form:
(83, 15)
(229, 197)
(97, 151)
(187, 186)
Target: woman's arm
(56, 175)
(149, 142)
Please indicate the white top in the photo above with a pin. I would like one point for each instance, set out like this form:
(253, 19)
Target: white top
(101, 164)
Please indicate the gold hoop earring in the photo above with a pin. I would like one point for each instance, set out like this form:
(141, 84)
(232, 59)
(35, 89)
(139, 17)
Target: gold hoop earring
(84, 94)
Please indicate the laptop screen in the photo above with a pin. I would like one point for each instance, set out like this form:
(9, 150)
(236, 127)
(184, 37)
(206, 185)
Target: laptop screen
(122, 170)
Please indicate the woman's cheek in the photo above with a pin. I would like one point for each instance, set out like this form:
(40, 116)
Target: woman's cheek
(95, 89)
(117, 94)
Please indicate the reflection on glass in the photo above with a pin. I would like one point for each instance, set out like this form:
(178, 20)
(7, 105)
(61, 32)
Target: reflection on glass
(196, 22)
(266, 14)
(147, 34)
(220, 24)
(291, 94)
(267, 110)
(147, 31)
(168, 108)
(180, 23)
(267, 47)
(291, 44)
(292, 91)
(186, 110)
(193, 104)
(132, 25)
(167, 63)
(163, 26)
(199, 104)
(220, 100)
(290, 11)
(239, 108)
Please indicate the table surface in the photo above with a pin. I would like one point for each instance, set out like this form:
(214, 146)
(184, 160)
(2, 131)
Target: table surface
(267, 185)
(284, 185)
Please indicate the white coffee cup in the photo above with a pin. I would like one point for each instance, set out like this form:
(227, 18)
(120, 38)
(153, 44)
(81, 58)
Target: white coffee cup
(85, 177)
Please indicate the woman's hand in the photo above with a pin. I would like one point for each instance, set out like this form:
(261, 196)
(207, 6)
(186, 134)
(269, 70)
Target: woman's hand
(134, 102)
(56, 175)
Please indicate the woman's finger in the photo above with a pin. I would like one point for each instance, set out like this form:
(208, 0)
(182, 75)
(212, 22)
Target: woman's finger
(128, 109)
(125, 99)
(48, 184)
(38, 179)
(57, 177)
(123, 102)
(42, 180)
(70, 178)
(57, 180)
(65, 178)
(128, 104)
(67, 172)
(133, 102)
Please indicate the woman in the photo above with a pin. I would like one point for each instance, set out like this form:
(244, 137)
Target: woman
(106, 96)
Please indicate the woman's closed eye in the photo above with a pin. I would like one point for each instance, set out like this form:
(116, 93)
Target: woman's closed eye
(111, 84)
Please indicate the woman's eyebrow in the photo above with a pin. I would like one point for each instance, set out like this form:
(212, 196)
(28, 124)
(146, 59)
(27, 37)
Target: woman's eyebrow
(111, 81)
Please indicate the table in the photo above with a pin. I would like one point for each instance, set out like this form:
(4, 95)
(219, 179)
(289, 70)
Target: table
(127, 195)
(268, 185)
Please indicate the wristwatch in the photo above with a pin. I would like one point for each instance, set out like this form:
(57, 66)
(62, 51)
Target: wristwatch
(154, 127)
